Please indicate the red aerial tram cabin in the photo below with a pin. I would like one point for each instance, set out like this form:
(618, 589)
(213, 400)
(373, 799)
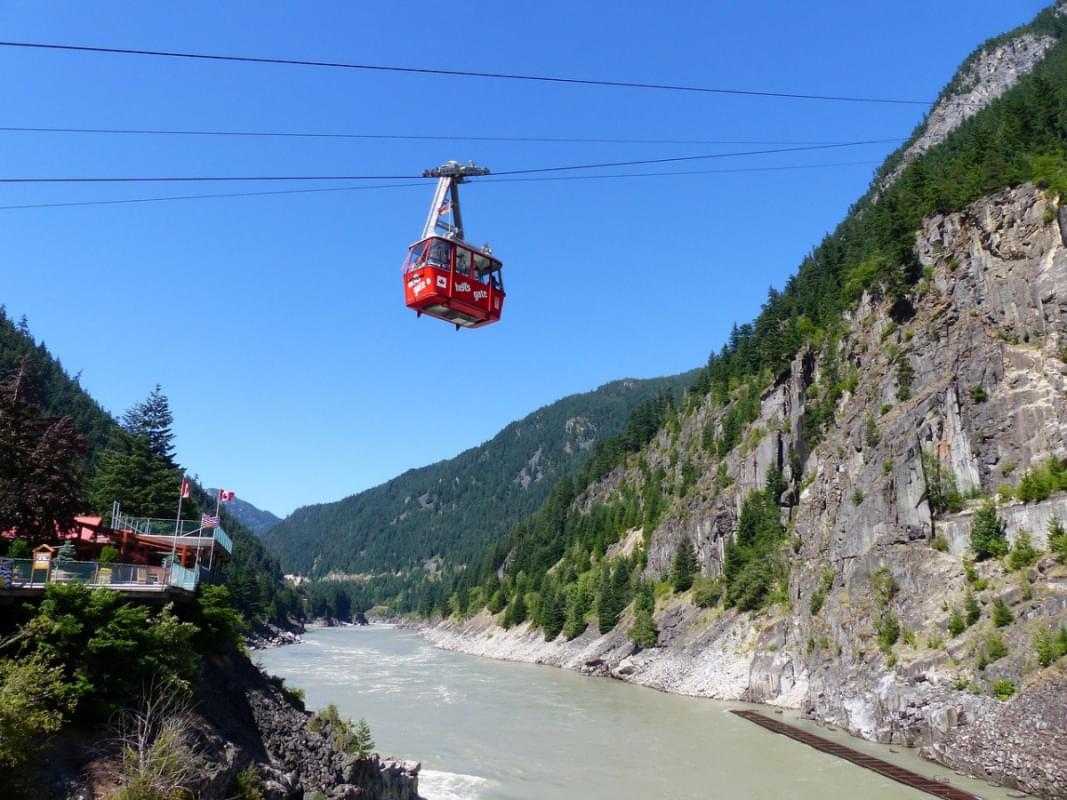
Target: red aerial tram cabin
(444, 276)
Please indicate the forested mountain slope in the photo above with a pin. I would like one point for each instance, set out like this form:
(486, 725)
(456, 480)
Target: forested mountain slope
(257, 520)
(253, 576)
(857, 510)
(454, 508)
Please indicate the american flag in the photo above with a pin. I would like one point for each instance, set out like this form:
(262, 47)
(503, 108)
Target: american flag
(445, 207)
(209, 521)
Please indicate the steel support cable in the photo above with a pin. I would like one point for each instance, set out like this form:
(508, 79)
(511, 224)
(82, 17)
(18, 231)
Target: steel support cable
(404, 137)
(534, 170)
(460, 73)
(226, 195)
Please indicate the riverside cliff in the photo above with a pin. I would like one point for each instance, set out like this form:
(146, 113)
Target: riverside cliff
(991, 313)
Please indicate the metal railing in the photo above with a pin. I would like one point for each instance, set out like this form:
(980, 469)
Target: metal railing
(170, 528)
(22, 573)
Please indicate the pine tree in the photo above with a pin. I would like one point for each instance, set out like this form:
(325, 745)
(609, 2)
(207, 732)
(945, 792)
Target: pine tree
(362, 743)
(989, 537)
(644, 633)
(153, 420)
(684, 566)
(607, 613)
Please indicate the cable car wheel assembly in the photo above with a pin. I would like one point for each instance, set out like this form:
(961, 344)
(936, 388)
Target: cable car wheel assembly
(445, 276)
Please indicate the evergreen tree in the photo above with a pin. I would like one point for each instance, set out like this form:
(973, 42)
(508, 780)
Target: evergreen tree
(131, 473)
(684, 566)
(644, 633)
(607, 612)
(153, 420)
(41, 483)
(989, 536)
(138, 470)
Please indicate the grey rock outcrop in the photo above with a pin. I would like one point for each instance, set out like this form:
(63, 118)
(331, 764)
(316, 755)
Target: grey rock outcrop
(981, 81)
(985, 340)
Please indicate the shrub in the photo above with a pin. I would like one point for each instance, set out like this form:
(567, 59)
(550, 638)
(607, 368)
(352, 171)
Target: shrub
(246, 786)
(941, 490)
(871, 434)
(857, 497)
(1023, 553)
(887, 466)
(109, 554)
(1001, 613)
(1057, 539)
(1050, 647)
(978, 584)
(989, 538)
(342, 734)
(940, 544)
(32, 706)
(972, 609)
(108, 648)
(1003, 689)
(753, 569)
(818, 597)
(160, 754)
(885, 586)
(19, 548)
(888, 632)
(1041, 481)
(956, 623)
(707, 591)
(221, 625)
(979, 394)
(995, 649)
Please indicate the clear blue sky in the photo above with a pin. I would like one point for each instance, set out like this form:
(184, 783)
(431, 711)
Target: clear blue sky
(276, 324)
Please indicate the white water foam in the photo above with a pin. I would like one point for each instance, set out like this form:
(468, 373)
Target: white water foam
(437, 785)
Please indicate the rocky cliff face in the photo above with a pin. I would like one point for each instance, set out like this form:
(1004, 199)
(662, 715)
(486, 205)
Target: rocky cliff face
(982, 80)
(983, 341)
(247, 722)
(239, 721)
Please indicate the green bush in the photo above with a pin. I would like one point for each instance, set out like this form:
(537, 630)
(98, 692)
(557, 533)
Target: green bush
(956, 623)
(989, 537)
(1040, 482)
(1001, 613)
(940, 544)
(1050, 647)
(33, 702)
(979, 394)
(1057, 539)
(246, 786)
(857, 497)
(707, 592)
(1023, 553)
(995, 648)
(109, 554)
(19, 548)
(108, 649)
(888, 632)
(1003, 689)
(221, 626)
(972, 609)
(884, 585)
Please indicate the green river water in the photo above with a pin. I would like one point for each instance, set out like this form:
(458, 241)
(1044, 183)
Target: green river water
(490, 730)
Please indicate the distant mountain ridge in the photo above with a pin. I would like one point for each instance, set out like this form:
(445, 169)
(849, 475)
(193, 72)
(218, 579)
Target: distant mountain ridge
(256, 519)
(450, 510)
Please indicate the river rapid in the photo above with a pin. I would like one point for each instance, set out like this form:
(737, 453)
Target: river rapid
(492, 730)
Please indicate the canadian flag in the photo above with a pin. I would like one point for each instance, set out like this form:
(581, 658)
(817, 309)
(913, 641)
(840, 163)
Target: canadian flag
(225, 495)
(185, 488)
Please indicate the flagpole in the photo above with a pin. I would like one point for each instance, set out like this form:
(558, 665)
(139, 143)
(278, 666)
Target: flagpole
(211, 555)
(177, 522)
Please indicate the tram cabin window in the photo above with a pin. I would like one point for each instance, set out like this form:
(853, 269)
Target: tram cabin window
(463, 261)
(441, 254)
(482, 267)
(416, 257)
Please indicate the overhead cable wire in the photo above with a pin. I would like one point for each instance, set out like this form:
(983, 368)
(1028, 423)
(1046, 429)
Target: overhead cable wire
(403, 137)
(461, 73)
(528, 171)
(226, 195)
